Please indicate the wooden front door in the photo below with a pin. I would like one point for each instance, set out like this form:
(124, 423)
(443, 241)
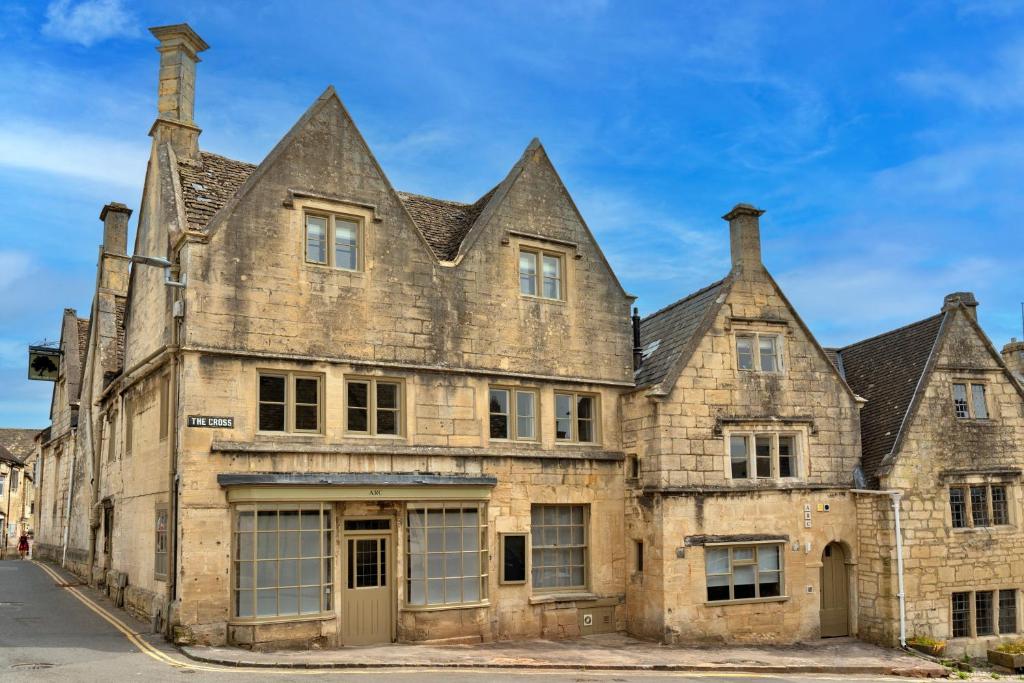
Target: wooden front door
(835, 598)
(368, 584)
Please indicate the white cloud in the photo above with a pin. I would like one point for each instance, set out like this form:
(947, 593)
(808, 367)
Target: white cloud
(1001, 87)
(13, 266)
(35, 147)
(88, 22)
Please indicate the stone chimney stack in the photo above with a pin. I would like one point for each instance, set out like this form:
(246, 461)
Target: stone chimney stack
(745, 236)
(966, 298)
(114, 267)
(1013, 356)
(179, 53)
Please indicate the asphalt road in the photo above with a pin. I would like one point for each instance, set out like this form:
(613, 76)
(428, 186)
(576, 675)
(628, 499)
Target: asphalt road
(47, 634)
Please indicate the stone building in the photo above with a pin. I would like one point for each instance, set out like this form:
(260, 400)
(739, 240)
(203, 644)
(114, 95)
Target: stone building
(943, 425)
(308, 409)
(17, 494)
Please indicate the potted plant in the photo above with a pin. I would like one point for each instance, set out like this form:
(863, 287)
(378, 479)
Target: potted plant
(1009, 655)
(928, 645)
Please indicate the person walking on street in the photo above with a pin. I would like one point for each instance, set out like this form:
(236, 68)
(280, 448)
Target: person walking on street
(23, 546)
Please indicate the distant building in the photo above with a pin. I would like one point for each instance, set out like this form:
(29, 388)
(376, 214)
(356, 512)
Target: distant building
(17, 494)
(346, 414)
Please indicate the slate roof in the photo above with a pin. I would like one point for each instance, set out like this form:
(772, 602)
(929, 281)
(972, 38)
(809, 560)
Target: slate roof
(209, 183)
(664, 334)
(886, 371)
(19, 443)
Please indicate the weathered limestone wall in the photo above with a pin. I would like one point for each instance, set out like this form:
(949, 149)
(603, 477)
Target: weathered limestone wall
(689, 617)
(687, 489)
(253, 290)
(940, 450)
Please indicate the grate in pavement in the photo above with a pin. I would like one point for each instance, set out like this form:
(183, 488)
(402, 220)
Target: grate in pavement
(32, 665)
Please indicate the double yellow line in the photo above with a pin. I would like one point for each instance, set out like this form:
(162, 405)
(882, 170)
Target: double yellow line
(159, 655)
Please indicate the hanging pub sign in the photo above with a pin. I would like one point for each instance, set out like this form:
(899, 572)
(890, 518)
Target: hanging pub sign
(43, 363)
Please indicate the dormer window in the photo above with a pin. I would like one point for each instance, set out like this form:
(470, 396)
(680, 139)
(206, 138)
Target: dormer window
(333, 240)
(540, 274)
(758, 352)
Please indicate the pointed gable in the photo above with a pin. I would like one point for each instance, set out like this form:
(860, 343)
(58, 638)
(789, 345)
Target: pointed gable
(887, 370)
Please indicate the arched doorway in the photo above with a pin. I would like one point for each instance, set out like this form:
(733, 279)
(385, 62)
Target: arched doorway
(835, 593)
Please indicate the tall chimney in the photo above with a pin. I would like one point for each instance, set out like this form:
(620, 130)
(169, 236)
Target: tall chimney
(745, 235)
(968, 301)
(1013, 356)
(179, 53)
(114, 268)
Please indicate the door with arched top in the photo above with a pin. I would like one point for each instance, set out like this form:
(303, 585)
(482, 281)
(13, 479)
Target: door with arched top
(835, 593)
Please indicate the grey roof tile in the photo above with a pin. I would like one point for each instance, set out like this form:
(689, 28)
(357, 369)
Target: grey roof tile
(664, 334)
(886, 371)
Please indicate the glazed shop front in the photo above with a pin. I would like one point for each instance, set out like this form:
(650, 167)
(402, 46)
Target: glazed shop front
(332, 559)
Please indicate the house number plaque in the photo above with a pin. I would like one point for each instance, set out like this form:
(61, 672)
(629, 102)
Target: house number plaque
(210, 421)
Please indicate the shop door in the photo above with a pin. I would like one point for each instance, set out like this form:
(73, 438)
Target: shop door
(367, 597)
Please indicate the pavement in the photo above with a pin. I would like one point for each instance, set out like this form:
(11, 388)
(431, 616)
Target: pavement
(54, 629)
(611, 652)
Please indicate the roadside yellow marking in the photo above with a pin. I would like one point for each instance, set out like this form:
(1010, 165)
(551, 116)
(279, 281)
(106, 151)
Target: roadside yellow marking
(145, 647)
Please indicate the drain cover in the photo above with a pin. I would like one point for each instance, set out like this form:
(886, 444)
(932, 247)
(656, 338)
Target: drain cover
(33, 665)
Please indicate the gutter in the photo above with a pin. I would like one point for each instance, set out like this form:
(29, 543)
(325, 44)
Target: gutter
(895, 497)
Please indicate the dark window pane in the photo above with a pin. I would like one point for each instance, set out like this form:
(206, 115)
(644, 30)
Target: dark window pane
(718, 592)
(307, 418)
(387, 395)
(1008, 611)
(499, 426)
(957, 507)
(979, 505)
(358, 394)
(769, 585)
(357, 421)
(763, 455)
(271, 417)
(738, 456)
(514, 567)
(961, 615)
(387, 422)
(584, 407)
(306, 390)
(983, 624)
(1000, 508)
(787, 457)
(563, 416)
(586, 430)
(272, 388)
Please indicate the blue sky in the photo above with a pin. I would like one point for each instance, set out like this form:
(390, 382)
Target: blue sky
(885, 140)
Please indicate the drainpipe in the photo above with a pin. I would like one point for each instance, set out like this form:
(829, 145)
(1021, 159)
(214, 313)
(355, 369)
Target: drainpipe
(895, 497)
(71, 497)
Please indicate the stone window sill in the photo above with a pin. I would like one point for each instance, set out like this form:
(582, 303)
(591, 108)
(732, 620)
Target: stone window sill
(996, 528)
(545, 598)
(748, 601)
(445, 608)
(260, 621)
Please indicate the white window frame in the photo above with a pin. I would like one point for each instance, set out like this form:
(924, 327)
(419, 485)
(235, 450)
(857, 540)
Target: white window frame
(538, 543)
(751, 435)
(755, 337)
